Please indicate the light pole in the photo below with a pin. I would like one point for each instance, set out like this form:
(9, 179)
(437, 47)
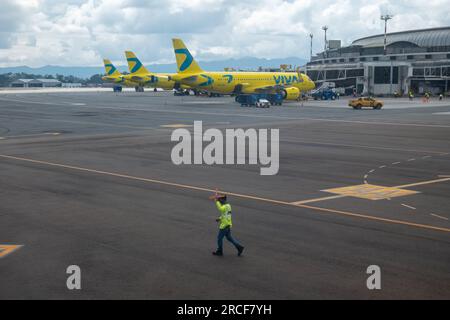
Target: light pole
(325, 28)
(311, 36)
(386, 18)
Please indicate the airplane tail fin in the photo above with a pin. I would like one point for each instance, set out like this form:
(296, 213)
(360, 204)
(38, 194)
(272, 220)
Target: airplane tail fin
(134, 64)
(110, 69)
(185, 61)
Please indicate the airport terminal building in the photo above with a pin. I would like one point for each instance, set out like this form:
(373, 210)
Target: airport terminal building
(417, 60)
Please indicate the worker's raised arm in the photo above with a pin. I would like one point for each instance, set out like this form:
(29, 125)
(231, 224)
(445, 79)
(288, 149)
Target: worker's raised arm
(220, 207)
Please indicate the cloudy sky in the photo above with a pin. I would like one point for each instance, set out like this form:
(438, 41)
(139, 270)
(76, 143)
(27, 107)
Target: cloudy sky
(81, 32)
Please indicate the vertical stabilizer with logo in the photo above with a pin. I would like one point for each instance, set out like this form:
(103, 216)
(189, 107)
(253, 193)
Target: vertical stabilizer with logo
(134, 64)
(185, 61)
(110, 69)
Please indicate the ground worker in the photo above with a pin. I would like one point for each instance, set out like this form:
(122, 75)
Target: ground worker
(225, 224)
(441, 97)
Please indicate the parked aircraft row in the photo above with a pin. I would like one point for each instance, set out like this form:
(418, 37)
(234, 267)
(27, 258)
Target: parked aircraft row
(191, 76)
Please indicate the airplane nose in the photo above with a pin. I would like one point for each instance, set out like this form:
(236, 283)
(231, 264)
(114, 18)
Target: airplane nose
(310, 85)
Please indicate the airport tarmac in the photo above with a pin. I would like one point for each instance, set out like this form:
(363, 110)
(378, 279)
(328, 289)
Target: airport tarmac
(87, 179)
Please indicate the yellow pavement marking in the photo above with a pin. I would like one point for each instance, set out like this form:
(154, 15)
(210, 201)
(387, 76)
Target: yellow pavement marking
(423, 183)
(237, 195)
(175, 126)
(357, 215)
(371, 192)
(317, 200)
(7, 249)
(141, 179)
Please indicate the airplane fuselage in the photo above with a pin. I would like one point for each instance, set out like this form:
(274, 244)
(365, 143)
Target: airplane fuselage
(121, 80)
(246, 82)
(152, 80)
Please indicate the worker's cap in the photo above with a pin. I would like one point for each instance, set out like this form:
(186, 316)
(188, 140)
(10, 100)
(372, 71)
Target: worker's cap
(222, 198)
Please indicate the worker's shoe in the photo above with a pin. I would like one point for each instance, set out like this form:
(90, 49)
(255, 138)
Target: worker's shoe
(218, 253)
(240, 250)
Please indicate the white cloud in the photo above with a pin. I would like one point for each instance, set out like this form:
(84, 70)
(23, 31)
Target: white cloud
(81, 32)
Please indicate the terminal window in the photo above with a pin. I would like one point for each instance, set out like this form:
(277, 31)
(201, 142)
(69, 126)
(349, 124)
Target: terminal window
(352, 73)
(332, 74)
(382, 75)
(446, 72)
(418, 72)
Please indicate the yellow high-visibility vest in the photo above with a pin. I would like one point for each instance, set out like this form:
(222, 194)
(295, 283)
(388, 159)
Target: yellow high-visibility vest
(225, 215)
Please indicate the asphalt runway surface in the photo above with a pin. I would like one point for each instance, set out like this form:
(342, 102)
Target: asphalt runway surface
(87, 179)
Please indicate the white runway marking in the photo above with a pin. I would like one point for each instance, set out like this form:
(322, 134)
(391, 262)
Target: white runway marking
(31, 135)
(439, 217)
(409, 207)
(360, 146)
(203, 102)
(252, 115)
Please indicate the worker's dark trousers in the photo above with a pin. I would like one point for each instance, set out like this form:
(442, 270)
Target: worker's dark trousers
(226, 233)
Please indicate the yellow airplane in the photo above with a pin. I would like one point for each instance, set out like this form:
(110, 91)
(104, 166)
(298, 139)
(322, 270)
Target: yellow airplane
(114, 76)
(290, 84)
(142, 76)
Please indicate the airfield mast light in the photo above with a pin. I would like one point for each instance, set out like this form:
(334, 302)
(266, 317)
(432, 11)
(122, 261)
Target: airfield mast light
(386, 18)
(325, 28)
(311, 36)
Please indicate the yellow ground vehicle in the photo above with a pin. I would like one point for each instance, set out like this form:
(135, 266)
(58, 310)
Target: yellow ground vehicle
(367, 102)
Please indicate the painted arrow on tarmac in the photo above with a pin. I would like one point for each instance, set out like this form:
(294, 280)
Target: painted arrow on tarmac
(7, 249)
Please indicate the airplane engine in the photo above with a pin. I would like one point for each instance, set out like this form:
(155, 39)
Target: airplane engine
(291, 93)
